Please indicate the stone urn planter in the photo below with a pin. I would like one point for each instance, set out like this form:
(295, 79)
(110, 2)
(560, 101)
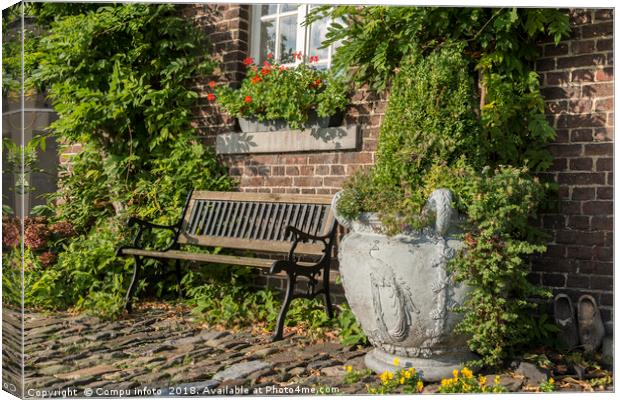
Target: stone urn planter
(401, 294)
(251, 125)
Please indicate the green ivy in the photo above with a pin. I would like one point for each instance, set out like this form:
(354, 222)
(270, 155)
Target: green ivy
(120, 78)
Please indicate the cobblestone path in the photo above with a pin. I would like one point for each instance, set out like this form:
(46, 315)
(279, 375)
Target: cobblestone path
(162, 349)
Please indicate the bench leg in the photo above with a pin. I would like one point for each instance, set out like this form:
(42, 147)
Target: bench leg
(177, 268)
(328, 301)
(132, 285)
(290, 290)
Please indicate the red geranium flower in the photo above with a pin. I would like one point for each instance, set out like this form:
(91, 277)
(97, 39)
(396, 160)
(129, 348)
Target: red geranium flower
(248, 61)
(265, 71)
(211, 97)
(212, 84)
(269, 56)
(256, 79)
(314, 59)
(283, 68)
(248, 99)
(266, 64)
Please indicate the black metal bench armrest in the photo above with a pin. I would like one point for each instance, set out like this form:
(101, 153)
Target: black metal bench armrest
(142, 227)
(304, 236)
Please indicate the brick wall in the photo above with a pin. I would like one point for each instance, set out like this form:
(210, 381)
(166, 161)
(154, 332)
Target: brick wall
(577, 80)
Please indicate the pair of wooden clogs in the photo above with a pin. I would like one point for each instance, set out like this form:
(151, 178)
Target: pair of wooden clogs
(587, 329)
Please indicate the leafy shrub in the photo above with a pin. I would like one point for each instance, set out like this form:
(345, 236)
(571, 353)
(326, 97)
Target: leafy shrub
(274, 91)
(120, 78)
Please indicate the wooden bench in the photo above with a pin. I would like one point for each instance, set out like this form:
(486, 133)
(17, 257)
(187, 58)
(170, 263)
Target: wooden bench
(286, 226)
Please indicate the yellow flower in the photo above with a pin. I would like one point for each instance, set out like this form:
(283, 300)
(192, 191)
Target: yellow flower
(455, 373)
(483, 380)
(390, 375)
(407, 374)
(384, 376)
(496, 380)
(467, 372)
(396, 361)
(551, 381)
(402, 381)
(412, 370)
(348, 368)
(419, 386)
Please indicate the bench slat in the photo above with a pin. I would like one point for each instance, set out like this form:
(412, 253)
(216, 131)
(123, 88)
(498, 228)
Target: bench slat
(263, 197)
(261, 263)
(250, 244)
(203, 257)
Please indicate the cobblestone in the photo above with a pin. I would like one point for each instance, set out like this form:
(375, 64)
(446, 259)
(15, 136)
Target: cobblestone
(165, 348)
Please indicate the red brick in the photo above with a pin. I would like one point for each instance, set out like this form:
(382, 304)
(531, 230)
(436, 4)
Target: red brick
(598, 207)
(278, 181)
(323, 158)
(604, 14)
(337, 170)
(585, 60)
(307, 181)
(292, 171)
(603, 253)
(581, 164)
(570, 207)
(555, 251)
(581, 120)
(559, 164)
(581, 135)
(556, 107)
(581, 178)
(308, 191)
(583, 46)
(582, 193)
(580, 106)
(546, 64)
(306, 170)
(598, 90)
(557, 78)
(604, 104)
(555, 280)
(333, 181)
(356, 158)
(604, 44)
(253, 181)
(555, 92)
(322, 170)
(597, 30)
(605, 164)
(602, 282)
(287, 159)
(604, 193)
(610, 178)
(566, 150)
(277, 170)
(579, 252)
(553, 50)
(599, 149)
(577, 281)
(605, 74)
(582, 75)
(578, 222)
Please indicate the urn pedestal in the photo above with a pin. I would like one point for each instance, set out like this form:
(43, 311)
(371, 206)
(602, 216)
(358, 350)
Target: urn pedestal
(401, 293)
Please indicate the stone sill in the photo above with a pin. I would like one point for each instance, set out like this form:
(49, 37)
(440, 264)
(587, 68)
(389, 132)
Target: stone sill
(289, 141)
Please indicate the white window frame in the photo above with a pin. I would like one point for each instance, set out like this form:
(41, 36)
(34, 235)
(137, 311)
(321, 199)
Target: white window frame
(302, 39)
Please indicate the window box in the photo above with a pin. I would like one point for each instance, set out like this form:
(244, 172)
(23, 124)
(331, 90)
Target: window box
(289, 141)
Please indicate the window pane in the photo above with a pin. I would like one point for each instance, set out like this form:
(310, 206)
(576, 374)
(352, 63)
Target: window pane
(288, 38)
(318, 30)
(267, 39)
(268, 9)
(288, 7)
